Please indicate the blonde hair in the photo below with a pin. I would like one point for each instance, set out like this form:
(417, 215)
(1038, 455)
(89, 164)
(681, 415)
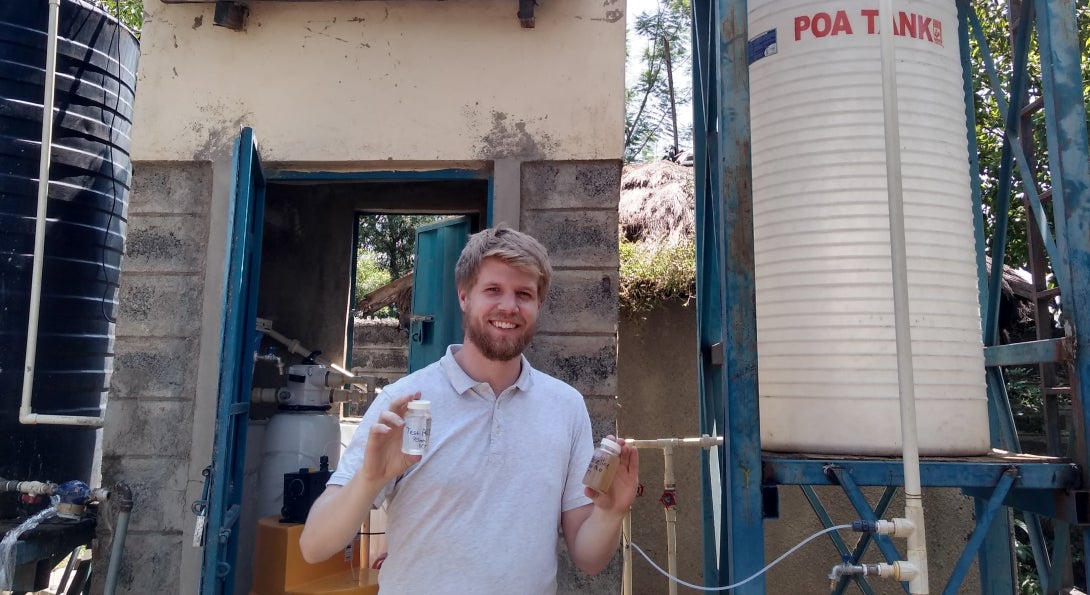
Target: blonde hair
(513, 247)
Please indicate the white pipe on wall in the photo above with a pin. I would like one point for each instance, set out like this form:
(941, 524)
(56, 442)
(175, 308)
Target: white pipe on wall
(669, 483)
(917, 547)
(26, 410)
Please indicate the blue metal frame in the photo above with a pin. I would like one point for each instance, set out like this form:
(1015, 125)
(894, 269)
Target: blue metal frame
(709, 319)
(241, 279)
(727, 320)
(726, 323)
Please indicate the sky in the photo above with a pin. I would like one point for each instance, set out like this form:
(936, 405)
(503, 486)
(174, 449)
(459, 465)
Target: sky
(636, 8)
(635, 50)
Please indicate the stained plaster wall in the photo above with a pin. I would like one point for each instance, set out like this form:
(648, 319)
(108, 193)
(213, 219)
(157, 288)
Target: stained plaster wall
(333, 86)
(365, 81)
(658, 395)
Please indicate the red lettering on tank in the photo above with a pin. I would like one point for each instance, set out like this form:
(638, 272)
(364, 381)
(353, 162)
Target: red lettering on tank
(802, 23)
(872, 20)
(841, 25)
(820, 24)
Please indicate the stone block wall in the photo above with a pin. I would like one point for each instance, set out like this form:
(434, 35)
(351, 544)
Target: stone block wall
(148, 432)
(380, 350)
(571, 207)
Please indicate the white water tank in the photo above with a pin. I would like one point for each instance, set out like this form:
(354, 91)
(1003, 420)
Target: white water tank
(825, 321)
(295, 440)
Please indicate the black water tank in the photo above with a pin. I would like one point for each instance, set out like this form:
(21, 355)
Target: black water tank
(89, 179)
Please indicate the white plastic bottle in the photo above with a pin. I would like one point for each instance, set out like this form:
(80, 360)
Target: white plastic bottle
(417, 431)
(603, 466)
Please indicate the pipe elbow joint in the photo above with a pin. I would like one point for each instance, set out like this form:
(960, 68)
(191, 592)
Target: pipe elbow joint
(121, 496)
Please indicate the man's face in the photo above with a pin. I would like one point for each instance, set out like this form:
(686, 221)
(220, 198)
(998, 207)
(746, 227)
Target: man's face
(499, 312)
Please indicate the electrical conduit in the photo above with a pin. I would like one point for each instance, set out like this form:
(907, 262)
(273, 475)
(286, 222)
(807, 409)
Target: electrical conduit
(917, 547)
(26, 412)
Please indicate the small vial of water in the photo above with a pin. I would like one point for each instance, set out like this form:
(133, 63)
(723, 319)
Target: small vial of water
(603, 466)
(417, 430)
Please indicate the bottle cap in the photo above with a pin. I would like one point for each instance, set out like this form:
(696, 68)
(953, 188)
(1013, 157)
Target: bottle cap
(419, 404)
(611, 446)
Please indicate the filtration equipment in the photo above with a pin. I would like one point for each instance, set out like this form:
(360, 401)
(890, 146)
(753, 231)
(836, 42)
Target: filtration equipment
(302, 432)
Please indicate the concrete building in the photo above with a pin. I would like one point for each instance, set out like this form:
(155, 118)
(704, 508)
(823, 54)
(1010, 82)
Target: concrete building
(448, 107)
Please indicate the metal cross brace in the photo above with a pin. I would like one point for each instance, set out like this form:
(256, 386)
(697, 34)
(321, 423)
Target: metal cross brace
(983, 522)
(855, 555)
(855, 496)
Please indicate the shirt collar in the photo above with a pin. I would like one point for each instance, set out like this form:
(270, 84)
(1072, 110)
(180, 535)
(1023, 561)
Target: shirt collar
(462, 381)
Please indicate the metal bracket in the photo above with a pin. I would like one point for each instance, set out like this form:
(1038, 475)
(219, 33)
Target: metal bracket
(231, 15)
(526, 13)
(418, 328)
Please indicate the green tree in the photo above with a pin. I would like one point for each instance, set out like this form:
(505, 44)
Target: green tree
(652, 102)
(392, 239)
(129, 12)
(995, 23)
(385, 247)
(369, 274)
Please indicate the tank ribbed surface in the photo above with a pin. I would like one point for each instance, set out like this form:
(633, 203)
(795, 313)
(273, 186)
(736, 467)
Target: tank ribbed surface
(825, 319)
(89, 182)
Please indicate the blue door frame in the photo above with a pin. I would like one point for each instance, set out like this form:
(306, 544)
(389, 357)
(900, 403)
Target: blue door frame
(246, 215)
(219, 509)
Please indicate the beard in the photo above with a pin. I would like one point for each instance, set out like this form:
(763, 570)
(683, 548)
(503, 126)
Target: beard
(499, 349)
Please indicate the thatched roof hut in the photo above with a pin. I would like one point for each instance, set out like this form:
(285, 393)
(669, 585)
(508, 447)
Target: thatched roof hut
(656, 203)
(657, 211)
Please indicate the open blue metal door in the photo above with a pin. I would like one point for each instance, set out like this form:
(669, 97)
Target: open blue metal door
(436, 320)
(218, 512)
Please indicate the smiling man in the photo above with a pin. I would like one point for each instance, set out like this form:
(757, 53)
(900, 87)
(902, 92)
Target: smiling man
(482, 509)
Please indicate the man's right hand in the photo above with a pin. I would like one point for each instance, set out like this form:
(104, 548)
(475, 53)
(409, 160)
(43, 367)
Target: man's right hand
(337, 514)
(383, 460)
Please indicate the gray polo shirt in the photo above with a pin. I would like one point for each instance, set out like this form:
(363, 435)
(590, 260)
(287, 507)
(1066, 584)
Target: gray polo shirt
(480, 512)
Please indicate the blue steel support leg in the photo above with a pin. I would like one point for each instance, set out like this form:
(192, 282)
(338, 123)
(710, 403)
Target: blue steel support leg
(1040, 551)
(743, 530)
(983, 524)
(1061, 536)
(855, 496)
(1069, 165)
(709, 315)
(996, 557)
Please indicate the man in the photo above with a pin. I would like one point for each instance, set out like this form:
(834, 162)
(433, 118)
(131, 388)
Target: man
(478, 512)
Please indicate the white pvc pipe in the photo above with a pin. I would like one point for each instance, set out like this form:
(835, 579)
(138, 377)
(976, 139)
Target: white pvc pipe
(917, 547)
(293, 345)
(26, 410)
(670, 483)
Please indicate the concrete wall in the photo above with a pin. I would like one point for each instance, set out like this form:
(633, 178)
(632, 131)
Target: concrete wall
(426, 81)
(147, 437)
(657, 391)
(659, 397)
